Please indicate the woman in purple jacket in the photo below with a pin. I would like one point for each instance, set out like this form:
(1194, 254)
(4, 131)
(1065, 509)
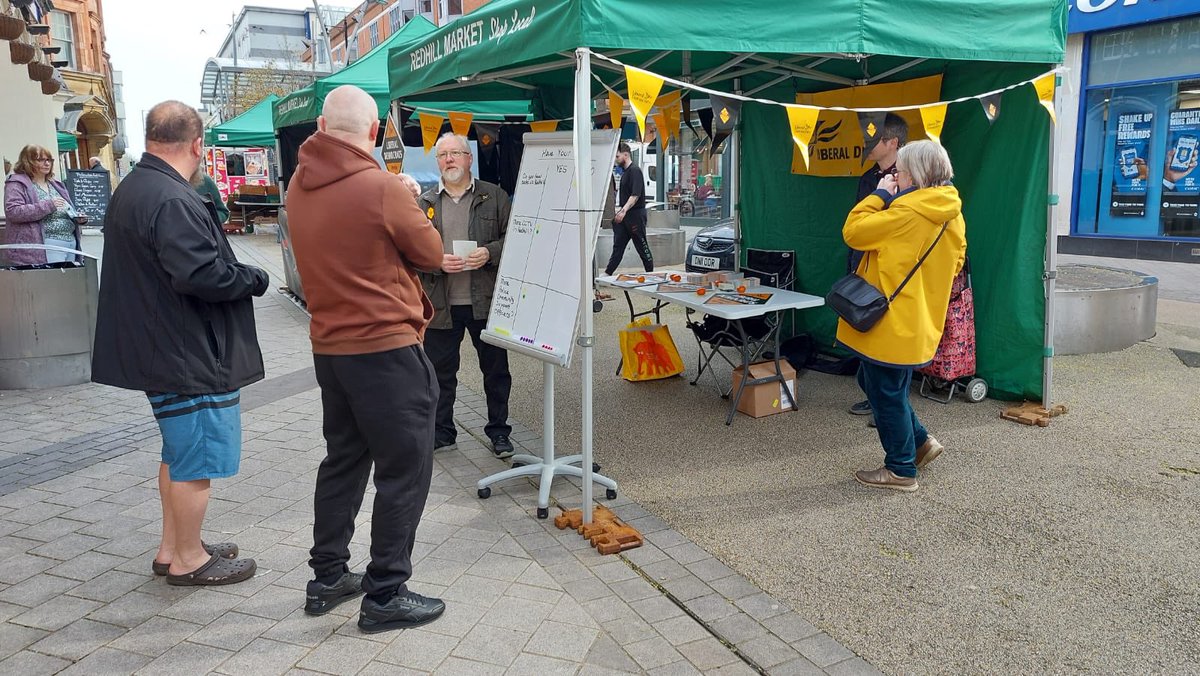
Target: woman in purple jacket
(38, 210)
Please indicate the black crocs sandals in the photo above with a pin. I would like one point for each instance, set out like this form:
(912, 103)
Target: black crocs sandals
(217, 571)
(227, 550)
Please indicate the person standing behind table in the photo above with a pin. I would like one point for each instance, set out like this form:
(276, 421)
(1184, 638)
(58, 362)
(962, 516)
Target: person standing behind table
(893, 138)
(176, 321)
(465, 208)
(629, 222)
(207, 187)
(894, 226)
(358, 235)
(38, 210)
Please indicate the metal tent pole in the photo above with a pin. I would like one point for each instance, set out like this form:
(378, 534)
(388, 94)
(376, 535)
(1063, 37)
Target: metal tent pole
(583, 174)
(1051, 271)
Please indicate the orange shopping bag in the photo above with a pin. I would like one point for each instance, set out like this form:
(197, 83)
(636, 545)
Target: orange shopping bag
(647, 352)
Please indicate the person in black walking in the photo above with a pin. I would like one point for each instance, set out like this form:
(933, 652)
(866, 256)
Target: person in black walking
(629, 221)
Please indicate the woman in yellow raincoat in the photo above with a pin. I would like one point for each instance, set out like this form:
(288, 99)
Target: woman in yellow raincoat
(895, 226)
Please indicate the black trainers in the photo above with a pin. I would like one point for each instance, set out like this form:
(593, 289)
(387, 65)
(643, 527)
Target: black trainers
(861, 408)
(501, 447)
(322, 598)
(444, 446)
(402, 611)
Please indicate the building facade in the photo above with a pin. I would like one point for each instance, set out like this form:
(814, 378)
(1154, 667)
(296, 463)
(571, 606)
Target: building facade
(364, 27)
(1129, 130)
(68, 89)
(265, 53)
(92, 109)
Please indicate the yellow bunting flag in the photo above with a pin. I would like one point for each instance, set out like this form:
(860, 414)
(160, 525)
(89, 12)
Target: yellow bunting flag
(544, 125)
(934, 118)
(431, 125)
(643, 91)
(671, 107)
(803, 122)
(616, 106)
(660, 125)
(1045, 93)
(460, 123)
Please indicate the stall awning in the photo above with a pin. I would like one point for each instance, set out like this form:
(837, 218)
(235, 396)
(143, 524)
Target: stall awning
(67, 142)
(369, 73)
(250, 129)
(530, 42)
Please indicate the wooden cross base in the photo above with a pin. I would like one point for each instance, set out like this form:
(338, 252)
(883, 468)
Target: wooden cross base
(1032, 413)
(606, 532)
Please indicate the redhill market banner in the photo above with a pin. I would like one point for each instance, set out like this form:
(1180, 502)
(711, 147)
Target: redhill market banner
(471, 35)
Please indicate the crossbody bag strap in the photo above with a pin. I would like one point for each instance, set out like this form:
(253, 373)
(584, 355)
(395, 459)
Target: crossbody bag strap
(918, 265)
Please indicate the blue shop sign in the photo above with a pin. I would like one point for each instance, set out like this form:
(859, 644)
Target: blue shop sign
(1096, 15)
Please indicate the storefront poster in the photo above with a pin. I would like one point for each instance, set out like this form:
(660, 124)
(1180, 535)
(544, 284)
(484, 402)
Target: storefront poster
(1131, 158)
(1181, 180)
(220, 173)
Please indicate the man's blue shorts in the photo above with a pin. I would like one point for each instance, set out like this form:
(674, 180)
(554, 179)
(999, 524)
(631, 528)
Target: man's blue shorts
(202, 434)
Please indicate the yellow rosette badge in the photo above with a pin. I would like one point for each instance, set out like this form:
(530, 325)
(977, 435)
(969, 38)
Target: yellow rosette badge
(429, 213)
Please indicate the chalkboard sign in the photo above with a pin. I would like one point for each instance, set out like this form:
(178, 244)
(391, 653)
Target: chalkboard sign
(90, 192)
(535, 309)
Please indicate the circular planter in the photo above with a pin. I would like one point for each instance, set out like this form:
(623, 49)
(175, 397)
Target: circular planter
(1102, 309)
(21, 53)
(10, 27)
(50, 87)
(40, 72)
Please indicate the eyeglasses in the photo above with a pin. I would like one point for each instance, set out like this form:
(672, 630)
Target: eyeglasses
(456, 154)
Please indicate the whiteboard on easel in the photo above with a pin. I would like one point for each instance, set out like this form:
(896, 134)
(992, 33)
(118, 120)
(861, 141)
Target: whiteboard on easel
(536, 304)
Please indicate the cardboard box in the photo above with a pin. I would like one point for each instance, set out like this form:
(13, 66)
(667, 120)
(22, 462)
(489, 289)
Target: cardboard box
(763, 400)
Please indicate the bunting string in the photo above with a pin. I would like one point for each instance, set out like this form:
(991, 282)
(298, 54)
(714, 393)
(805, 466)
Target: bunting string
(713, 92)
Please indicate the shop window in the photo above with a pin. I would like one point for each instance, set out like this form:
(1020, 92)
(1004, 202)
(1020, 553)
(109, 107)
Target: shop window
(62, 34)
(1138, 175)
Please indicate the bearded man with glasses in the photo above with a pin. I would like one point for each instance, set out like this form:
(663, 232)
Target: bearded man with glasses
(465, 209)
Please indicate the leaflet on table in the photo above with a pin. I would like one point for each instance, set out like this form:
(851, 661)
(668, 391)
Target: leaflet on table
(675, 287)
(646, 279)
(1181, 182)
(739, 299)
(1131, 155)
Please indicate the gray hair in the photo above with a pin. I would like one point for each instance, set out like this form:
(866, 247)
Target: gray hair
(926, 162)
(462, 140)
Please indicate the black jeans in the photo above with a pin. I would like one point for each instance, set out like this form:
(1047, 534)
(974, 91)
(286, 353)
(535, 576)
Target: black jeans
(378, 408)
(443, 347)
(633, 226)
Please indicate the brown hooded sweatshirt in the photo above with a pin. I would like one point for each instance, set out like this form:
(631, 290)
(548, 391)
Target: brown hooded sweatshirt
(357, 234)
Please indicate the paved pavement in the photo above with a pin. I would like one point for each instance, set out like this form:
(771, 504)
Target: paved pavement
(78, 529)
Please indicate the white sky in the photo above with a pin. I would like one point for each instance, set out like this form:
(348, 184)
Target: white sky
(161, 47)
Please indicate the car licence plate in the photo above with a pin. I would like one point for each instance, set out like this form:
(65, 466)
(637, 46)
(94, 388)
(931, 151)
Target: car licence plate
(710, 262)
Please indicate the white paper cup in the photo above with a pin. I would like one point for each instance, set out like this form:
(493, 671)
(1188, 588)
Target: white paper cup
(463, 247)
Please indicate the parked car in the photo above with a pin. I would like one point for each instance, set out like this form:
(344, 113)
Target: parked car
(713, 248)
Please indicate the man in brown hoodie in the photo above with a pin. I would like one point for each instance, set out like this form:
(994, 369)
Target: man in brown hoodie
(358, 235)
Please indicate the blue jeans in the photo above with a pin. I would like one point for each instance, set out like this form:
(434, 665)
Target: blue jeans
(899, 430)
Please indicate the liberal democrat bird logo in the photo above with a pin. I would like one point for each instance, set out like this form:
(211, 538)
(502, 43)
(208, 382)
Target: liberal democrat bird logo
(429, 213)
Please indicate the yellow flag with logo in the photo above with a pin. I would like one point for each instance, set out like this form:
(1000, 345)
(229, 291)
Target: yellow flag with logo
(934, 118)
(544, 125)
(643, 92)
(460, 123)
(803, 122)
(616, 106)
(836, 148)
(431, 125)
(1045, 93)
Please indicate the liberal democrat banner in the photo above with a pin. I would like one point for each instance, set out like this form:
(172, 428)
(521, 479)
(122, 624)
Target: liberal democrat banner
(837, 142)
(1181, 184)
(1130, 172)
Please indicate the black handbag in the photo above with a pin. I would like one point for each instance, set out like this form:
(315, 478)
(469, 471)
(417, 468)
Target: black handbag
(862, 305)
